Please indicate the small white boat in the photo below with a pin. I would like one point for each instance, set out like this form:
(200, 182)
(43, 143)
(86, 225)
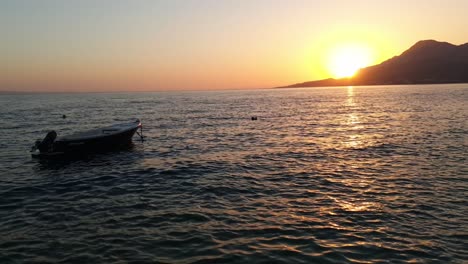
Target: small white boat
(94, 140)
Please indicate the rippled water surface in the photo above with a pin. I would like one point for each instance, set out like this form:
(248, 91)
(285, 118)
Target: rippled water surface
(327, 175)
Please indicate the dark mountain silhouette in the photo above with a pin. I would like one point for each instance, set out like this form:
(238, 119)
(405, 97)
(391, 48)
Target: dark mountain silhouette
(426, 62)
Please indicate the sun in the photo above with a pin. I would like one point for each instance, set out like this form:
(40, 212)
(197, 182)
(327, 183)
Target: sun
(345, 60)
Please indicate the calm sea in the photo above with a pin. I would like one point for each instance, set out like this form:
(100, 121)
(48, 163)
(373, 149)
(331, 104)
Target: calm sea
(324, 175)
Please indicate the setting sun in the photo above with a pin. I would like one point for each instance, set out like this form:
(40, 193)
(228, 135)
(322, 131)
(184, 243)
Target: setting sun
(346, 60)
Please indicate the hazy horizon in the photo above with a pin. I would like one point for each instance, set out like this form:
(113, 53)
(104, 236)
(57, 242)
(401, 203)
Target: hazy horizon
(204, 45)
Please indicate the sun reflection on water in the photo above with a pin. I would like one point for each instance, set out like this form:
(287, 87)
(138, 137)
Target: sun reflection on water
(350, 100)
(355, 133)
(353, 121)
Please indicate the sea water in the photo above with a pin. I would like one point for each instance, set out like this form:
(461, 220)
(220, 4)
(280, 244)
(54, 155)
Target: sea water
(324, 175)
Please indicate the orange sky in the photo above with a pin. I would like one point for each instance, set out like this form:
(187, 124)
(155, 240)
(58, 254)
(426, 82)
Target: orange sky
(185, 45)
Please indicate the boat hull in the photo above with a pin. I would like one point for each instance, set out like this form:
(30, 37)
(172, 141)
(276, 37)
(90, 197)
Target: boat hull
(95, 144)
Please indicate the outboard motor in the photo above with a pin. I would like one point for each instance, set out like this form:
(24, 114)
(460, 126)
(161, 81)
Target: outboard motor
(46, 144)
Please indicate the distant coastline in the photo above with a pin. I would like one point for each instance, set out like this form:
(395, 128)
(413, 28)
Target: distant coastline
(14, 92)
(344, 84)
(426, 62)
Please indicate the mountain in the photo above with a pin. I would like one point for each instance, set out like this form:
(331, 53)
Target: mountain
(427, 61)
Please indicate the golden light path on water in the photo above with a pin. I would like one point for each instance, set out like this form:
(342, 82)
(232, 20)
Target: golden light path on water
(352, 122)
(353, 140)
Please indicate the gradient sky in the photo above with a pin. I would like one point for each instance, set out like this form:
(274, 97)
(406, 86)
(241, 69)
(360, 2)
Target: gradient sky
(194, 44)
